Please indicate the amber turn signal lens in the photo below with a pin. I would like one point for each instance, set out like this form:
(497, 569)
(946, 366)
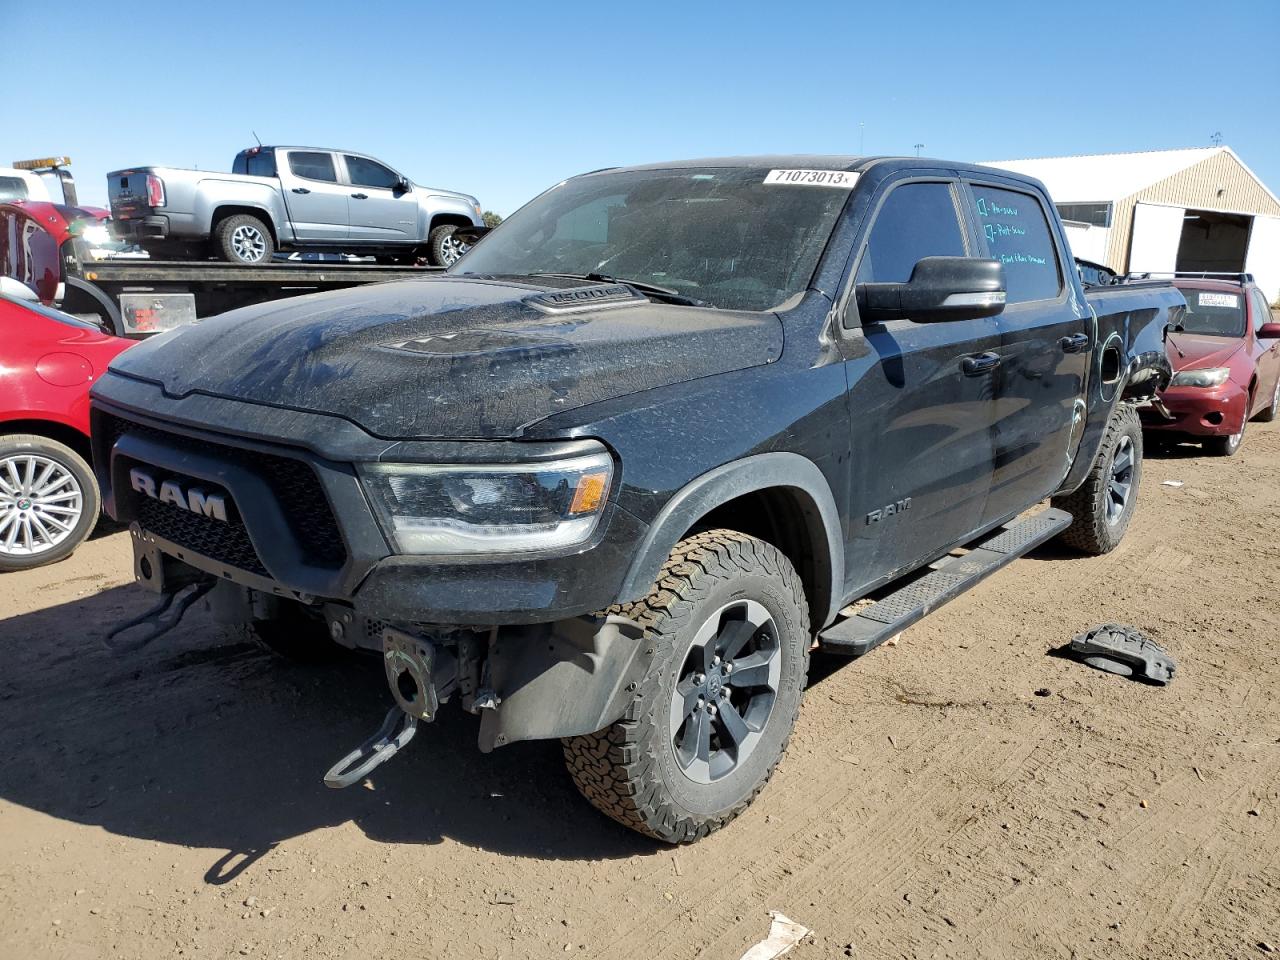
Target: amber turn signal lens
(590, 493)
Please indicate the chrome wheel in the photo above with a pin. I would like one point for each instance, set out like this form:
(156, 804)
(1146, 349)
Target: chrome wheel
(40, 504)
(248, 243)
(1120, 484)
(451, 250)
(726, 691)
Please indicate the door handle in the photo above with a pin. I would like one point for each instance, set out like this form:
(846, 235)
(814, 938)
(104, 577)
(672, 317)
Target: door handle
(1076, 343)
(300, 190)
(361, 196)
(978, 365)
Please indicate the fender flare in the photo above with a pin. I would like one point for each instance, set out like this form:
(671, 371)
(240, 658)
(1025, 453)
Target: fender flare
(748, 475)
(78, 288)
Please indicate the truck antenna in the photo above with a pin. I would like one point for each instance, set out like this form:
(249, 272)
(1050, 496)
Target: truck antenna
(256, 137)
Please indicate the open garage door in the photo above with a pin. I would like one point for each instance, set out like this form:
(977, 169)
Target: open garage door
(1263, 260)
(1157, 231)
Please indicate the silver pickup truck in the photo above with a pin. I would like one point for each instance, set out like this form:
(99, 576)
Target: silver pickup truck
(289, 198)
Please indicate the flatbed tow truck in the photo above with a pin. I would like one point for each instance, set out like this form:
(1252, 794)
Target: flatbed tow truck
(62, 255)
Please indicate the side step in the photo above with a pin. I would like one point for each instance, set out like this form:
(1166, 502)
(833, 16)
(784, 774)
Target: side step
(947, 579)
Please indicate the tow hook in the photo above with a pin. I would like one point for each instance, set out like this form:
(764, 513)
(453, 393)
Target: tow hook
(421, 675)
(161, 618)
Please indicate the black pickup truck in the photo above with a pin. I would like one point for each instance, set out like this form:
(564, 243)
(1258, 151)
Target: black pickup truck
(612, 476)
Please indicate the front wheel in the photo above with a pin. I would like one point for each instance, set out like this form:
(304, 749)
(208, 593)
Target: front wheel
(1104, 504)
(49, 501)
(712, 718)
(1227, 446)
(443, 250)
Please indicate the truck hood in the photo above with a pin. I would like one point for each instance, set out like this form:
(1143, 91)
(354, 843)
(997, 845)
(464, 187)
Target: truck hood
(452, 357)
(1200, 350)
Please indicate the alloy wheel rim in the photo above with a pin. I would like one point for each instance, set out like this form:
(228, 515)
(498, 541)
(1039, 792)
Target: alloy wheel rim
(451, 250)
(41, 504)
(725, 694)
(248, 243)
(1120, 483)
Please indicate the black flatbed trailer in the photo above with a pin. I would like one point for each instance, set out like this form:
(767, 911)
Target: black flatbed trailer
(139, 297)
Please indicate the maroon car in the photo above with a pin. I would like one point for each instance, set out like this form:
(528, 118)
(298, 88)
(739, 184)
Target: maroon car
(1226, 361)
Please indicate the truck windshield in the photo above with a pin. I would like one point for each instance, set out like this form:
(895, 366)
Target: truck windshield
(1215, 313)
(719, 235)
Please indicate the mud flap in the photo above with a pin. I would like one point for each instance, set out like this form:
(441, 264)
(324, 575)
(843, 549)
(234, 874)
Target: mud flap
(563, 679)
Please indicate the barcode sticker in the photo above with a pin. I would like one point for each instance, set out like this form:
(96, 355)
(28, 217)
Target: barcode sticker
(1219, 300)
(840, 179)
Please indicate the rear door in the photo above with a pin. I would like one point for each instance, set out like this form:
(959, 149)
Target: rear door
(1045, 346)
(313, 194)
(379, 211)
(920, 410)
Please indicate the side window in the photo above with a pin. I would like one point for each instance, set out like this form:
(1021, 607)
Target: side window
(13, 188)
(312, 166)
(1261, 310)
(1018, 235)
(369, 173)
(917, 220)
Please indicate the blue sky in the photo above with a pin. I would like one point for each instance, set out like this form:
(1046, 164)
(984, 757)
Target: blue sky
(503, 99)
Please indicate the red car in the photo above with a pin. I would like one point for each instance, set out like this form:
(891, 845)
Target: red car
(1226, 361)
(49, 500)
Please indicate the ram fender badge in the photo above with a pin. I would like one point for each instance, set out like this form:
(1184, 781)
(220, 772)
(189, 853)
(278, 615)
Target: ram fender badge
(889, 510)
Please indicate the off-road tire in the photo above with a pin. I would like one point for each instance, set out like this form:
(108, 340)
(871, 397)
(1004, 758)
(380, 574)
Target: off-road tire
(438, 244)
(1090, 530)
(91, 499)
(627, 770)
(223, 239)
(1273, 411)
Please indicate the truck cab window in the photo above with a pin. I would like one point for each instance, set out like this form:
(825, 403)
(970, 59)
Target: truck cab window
(369, 173)
(917, 220)
(12, 188)
(1018, 236)
(262, 165)
(312, 166)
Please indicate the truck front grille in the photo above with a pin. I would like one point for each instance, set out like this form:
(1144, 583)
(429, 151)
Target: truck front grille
(293, 482)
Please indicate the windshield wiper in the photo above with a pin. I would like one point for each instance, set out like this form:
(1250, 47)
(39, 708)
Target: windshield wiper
(651, 289)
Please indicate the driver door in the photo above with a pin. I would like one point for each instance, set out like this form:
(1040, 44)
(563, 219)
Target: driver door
(379, 210)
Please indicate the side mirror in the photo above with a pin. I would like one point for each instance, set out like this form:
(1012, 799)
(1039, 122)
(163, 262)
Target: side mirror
(470, 235)
(940, 289)
(403, 185)
(1269, 331)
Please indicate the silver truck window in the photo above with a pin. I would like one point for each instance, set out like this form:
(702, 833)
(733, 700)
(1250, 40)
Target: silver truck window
(721, 235)
(364, 172)
(916, 220)
(312, 166)
(1017, 233)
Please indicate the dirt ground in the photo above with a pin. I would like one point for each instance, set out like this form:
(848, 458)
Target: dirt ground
(958, 794)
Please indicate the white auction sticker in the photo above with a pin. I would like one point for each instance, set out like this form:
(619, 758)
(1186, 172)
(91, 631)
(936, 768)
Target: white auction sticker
(841, 179)
(1219, 300)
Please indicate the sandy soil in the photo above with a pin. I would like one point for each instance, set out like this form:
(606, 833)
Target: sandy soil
(958, 794)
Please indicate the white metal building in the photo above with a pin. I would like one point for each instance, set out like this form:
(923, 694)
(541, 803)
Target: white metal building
(1165, 210)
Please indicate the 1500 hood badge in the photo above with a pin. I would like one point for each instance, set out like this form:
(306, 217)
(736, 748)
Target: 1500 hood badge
(194, 500)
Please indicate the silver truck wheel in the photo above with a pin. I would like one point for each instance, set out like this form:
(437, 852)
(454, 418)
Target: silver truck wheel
(48, 501)
(244, 239)
(443, 250)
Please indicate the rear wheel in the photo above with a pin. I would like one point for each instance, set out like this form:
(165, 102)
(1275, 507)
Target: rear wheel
(713, 716)
(242, 238)
(49, 501)
(1104, 504)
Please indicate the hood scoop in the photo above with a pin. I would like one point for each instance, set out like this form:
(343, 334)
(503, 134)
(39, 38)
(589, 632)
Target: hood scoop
(585, 298)
(483, 343)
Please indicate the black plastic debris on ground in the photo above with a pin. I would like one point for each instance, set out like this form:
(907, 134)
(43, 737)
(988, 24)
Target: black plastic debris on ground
(1123, 650)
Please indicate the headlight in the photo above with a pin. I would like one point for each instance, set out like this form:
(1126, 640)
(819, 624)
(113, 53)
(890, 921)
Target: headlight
(98, 235)
(489, 508)
(1212, 377)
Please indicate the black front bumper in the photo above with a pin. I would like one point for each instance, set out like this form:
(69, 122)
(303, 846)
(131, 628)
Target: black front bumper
(298, 522)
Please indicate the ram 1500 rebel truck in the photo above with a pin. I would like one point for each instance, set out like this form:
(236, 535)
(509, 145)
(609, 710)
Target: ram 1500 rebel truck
(611, 477)
(289, 198)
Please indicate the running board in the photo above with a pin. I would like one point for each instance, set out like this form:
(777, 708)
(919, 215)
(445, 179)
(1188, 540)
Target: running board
(947, 578)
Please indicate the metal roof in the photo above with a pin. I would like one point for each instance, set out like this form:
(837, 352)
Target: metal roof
(1108, 176)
